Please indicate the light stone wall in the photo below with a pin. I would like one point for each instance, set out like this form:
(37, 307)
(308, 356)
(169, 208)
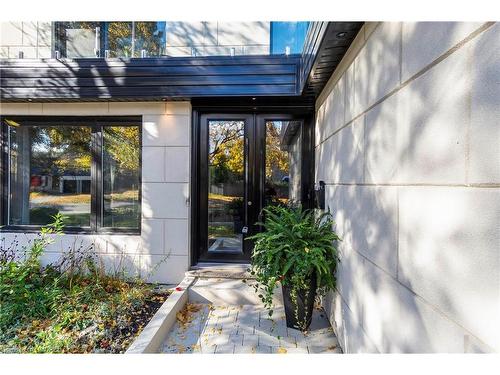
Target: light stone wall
(161, 252)
(407, 141)
(34, 39)
(218, 38)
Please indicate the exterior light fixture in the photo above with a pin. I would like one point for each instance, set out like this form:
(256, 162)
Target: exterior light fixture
(341, 35)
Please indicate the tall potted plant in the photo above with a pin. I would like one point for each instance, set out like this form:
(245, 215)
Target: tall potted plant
(296, 249)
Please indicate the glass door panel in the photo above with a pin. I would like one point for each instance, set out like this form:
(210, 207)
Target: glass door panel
(226, 186)
(282, 183)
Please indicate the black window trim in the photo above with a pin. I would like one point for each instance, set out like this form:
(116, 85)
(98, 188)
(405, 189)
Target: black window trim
(97, 199)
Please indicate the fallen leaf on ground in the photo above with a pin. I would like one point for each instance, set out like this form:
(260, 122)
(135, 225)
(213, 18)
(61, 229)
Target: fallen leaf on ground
(185, 316)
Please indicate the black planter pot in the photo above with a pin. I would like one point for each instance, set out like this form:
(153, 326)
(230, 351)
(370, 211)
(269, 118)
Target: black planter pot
(305, 304)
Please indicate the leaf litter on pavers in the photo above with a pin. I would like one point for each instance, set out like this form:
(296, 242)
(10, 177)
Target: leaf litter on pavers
(184, 318)
(186, 315)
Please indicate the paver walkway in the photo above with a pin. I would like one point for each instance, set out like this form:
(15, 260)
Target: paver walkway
(202, 328)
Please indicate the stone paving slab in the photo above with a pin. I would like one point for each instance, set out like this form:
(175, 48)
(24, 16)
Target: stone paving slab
(248, 329)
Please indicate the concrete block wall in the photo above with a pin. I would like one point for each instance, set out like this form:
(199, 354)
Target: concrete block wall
(218, 38)
(33, 38)
(407, 141)
(161, 252)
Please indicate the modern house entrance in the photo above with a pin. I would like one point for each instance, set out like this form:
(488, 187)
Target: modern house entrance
(244, 162)
(161, 141)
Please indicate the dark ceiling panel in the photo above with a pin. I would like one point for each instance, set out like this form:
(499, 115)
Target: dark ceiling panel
(332, 41)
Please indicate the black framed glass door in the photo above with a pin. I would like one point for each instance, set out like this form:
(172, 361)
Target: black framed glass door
(226, 186)
(244, 162)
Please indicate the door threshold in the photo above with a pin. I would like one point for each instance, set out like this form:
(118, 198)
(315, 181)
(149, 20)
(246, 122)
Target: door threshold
(221, 270)
(202, 265)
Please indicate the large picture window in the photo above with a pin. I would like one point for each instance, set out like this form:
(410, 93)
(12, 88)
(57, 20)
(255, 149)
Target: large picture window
(87, 169)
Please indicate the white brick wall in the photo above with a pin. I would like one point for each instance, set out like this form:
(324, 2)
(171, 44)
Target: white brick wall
(407, 140)
(165, 190)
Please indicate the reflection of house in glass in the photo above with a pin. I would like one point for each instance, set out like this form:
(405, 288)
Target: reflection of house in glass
(74, 184)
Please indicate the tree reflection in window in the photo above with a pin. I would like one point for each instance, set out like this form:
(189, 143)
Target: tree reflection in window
(226, 162)
(109, 39)
(121, 176)
(50, 174)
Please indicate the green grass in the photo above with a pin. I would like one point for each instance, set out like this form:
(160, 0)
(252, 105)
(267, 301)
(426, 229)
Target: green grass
(43, 216)
(221, 231)
(122, 217)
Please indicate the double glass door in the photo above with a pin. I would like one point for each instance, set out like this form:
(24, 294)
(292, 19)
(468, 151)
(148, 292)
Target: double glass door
(246, 162)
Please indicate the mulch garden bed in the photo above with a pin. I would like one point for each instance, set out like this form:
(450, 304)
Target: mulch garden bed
(74, 305)
(90, 318)
(117, 338)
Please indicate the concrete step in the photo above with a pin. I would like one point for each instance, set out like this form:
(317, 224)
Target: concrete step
(224, 291)
(222, 270)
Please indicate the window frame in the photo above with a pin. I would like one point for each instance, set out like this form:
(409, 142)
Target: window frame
(97, 124)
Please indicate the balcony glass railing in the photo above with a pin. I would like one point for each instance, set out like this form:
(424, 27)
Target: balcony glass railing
(152, 39)
(109, 39)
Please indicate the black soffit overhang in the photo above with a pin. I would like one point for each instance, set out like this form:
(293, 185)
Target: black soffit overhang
(242, 80)
(317, 66)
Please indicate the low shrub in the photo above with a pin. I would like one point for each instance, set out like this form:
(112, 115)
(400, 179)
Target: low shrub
(70, 306)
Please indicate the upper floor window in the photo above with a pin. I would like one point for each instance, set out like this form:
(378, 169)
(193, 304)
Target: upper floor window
(87, 169)
(109, 39)
(154, 39)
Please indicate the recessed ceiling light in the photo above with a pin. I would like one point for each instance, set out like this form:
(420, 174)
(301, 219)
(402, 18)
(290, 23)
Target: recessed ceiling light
(254, 98)
(342, 34)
